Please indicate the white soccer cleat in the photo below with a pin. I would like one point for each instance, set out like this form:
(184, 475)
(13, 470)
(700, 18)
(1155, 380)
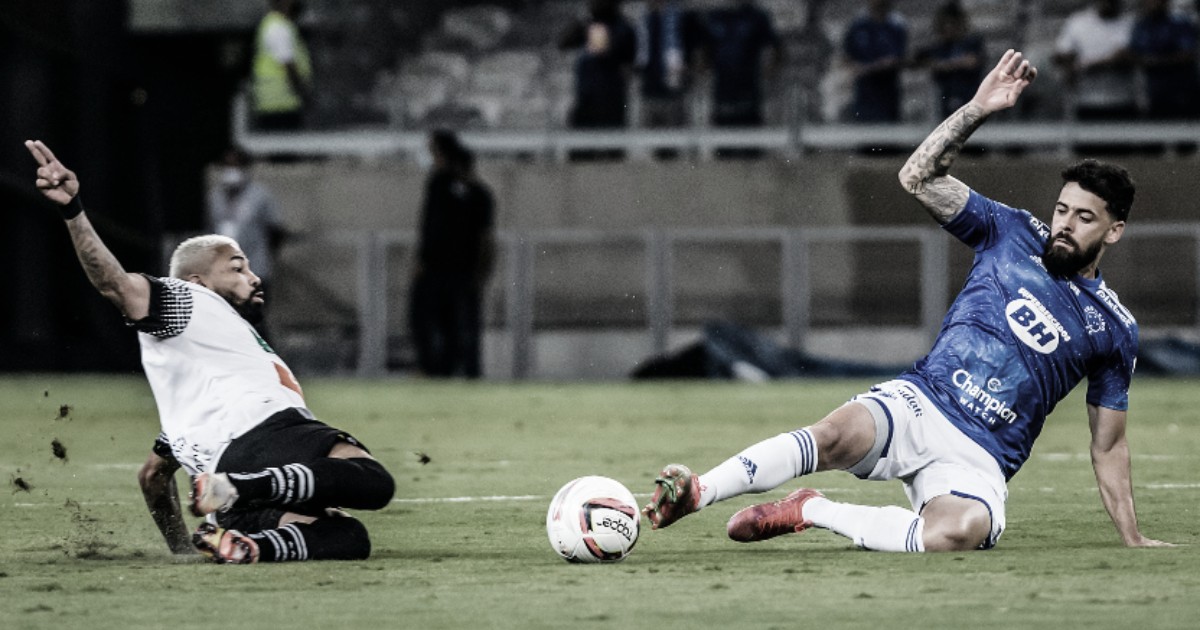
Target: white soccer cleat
(212, 493)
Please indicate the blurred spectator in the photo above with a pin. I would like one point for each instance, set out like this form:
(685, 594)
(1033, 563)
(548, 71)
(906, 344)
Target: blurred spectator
(454, 260)
(608, 44)
(876, 45)
(667, 39)
(956, 60)
(1164, 46)
(282, 70)
(1093, 50)
(737, 37)
(245, 210)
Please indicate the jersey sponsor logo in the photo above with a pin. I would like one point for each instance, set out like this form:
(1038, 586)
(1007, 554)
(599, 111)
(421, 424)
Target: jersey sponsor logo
(979, 401)
(1110, 298)
(1041, 227)
(1033, 324)
(910, 398)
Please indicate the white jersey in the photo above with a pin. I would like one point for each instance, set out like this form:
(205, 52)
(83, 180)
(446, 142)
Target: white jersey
(213, 376)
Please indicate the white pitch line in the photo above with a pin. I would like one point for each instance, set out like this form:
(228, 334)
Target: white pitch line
(491, 499)
(519, 497)
(80, 503)
(541, 497)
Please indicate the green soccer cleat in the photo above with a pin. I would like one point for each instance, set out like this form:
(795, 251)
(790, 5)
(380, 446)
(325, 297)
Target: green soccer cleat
(676, 494)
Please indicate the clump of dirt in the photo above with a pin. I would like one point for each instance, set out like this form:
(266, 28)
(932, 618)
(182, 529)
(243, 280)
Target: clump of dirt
(64, 412)
(19, 483)
(59, 449)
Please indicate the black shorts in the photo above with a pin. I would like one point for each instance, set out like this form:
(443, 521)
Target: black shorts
(292, 436)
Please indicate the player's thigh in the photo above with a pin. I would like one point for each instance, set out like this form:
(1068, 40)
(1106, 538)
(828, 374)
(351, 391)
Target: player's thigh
(963, 505)
(844, 436)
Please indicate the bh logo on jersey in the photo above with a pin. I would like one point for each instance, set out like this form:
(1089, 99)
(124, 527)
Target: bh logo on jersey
(1027, 319)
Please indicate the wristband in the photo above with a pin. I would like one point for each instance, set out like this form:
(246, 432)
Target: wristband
(72, 209)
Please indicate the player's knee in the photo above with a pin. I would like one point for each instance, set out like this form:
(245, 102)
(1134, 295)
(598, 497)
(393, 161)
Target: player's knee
(965, 533)
(382, 487)
(337, 538)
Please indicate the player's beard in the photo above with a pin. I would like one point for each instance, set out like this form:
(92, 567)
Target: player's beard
(250, 311)
(1065, 264)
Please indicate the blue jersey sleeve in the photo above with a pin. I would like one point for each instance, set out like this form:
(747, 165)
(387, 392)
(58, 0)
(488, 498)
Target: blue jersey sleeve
(982, 221)
(1108, 384)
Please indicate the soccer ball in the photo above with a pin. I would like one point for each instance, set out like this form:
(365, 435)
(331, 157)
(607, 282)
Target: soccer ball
(593, 519)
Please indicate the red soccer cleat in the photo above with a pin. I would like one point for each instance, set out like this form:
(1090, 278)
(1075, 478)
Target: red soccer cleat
(768, 520)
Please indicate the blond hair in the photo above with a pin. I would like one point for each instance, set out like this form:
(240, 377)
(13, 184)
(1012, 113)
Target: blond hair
(195, 254)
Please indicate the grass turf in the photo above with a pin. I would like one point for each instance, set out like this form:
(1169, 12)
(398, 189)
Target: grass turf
(78, 550)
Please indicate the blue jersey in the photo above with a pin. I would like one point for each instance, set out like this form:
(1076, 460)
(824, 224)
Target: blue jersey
(1017, 339)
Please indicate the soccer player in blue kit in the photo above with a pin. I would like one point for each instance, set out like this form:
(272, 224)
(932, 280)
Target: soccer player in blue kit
(1033, 320)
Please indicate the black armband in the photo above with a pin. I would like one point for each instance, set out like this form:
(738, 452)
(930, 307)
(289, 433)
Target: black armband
(73, 209)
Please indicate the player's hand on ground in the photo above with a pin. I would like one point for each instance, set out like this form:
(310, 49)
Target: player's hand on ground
(56, 181)
(1004, 84)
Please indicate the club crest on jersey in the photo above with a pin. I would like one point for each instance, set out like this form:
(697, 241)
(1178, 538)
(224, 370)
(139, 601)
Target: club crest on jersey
(1094, 320)
(1033, 324)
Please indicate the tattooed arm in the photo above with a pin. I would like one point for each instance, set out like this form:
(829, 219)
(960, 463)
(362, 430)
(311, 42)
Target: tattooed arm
(128, 291)
(157, 479)
(925, 175)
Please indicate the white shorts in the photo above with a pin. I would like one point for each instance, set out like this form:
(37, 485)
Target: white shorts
(916, 444)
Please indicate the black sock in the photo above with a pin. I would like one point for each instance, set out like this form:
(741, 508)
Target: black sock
(330, 538)
(357, 483)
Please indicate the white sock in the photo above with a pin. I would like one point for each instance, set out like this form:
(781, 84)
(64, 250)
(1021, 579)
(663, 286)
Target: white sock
(888, 528)
(761, 467)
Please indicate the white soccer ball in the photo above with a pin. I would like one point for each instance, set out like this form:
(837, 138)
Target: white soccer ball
(593, 519)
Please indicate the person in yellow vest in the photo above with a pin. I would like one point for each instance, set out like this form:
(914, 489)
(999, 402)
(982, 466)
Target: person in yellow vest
(282, 73)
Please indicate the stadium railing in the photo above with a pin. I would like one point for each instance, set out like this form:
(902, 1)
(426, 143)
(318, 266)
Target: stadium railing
(704, 142)
(658, 247)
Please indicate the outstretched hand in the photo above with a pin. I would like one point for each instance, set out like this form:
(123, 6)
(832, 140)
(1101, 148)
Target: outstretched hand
(1004, 84)
(55, 181)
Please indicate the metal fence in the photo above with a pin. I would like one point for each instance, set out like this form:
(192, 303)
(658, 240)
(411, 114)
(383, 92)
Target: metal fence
(935, 269)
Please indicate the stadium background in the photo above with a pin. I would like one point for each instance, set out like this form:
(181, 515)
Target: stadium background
(603, 264)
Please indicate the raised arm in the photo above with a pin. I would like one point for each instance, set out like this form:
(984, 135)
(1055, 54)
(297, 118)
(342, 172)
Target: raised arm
(129, 292)
(1110, 460)
(925, 174)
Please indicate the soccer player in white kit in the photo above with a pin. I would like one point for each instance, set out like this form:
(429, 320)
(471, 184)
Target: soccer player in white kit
(1033, 320)
(267, 474)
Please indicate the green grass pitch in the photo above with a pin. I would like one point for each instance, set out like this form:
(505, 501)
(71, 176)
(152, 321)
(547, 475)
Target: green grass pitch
(77, 549)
